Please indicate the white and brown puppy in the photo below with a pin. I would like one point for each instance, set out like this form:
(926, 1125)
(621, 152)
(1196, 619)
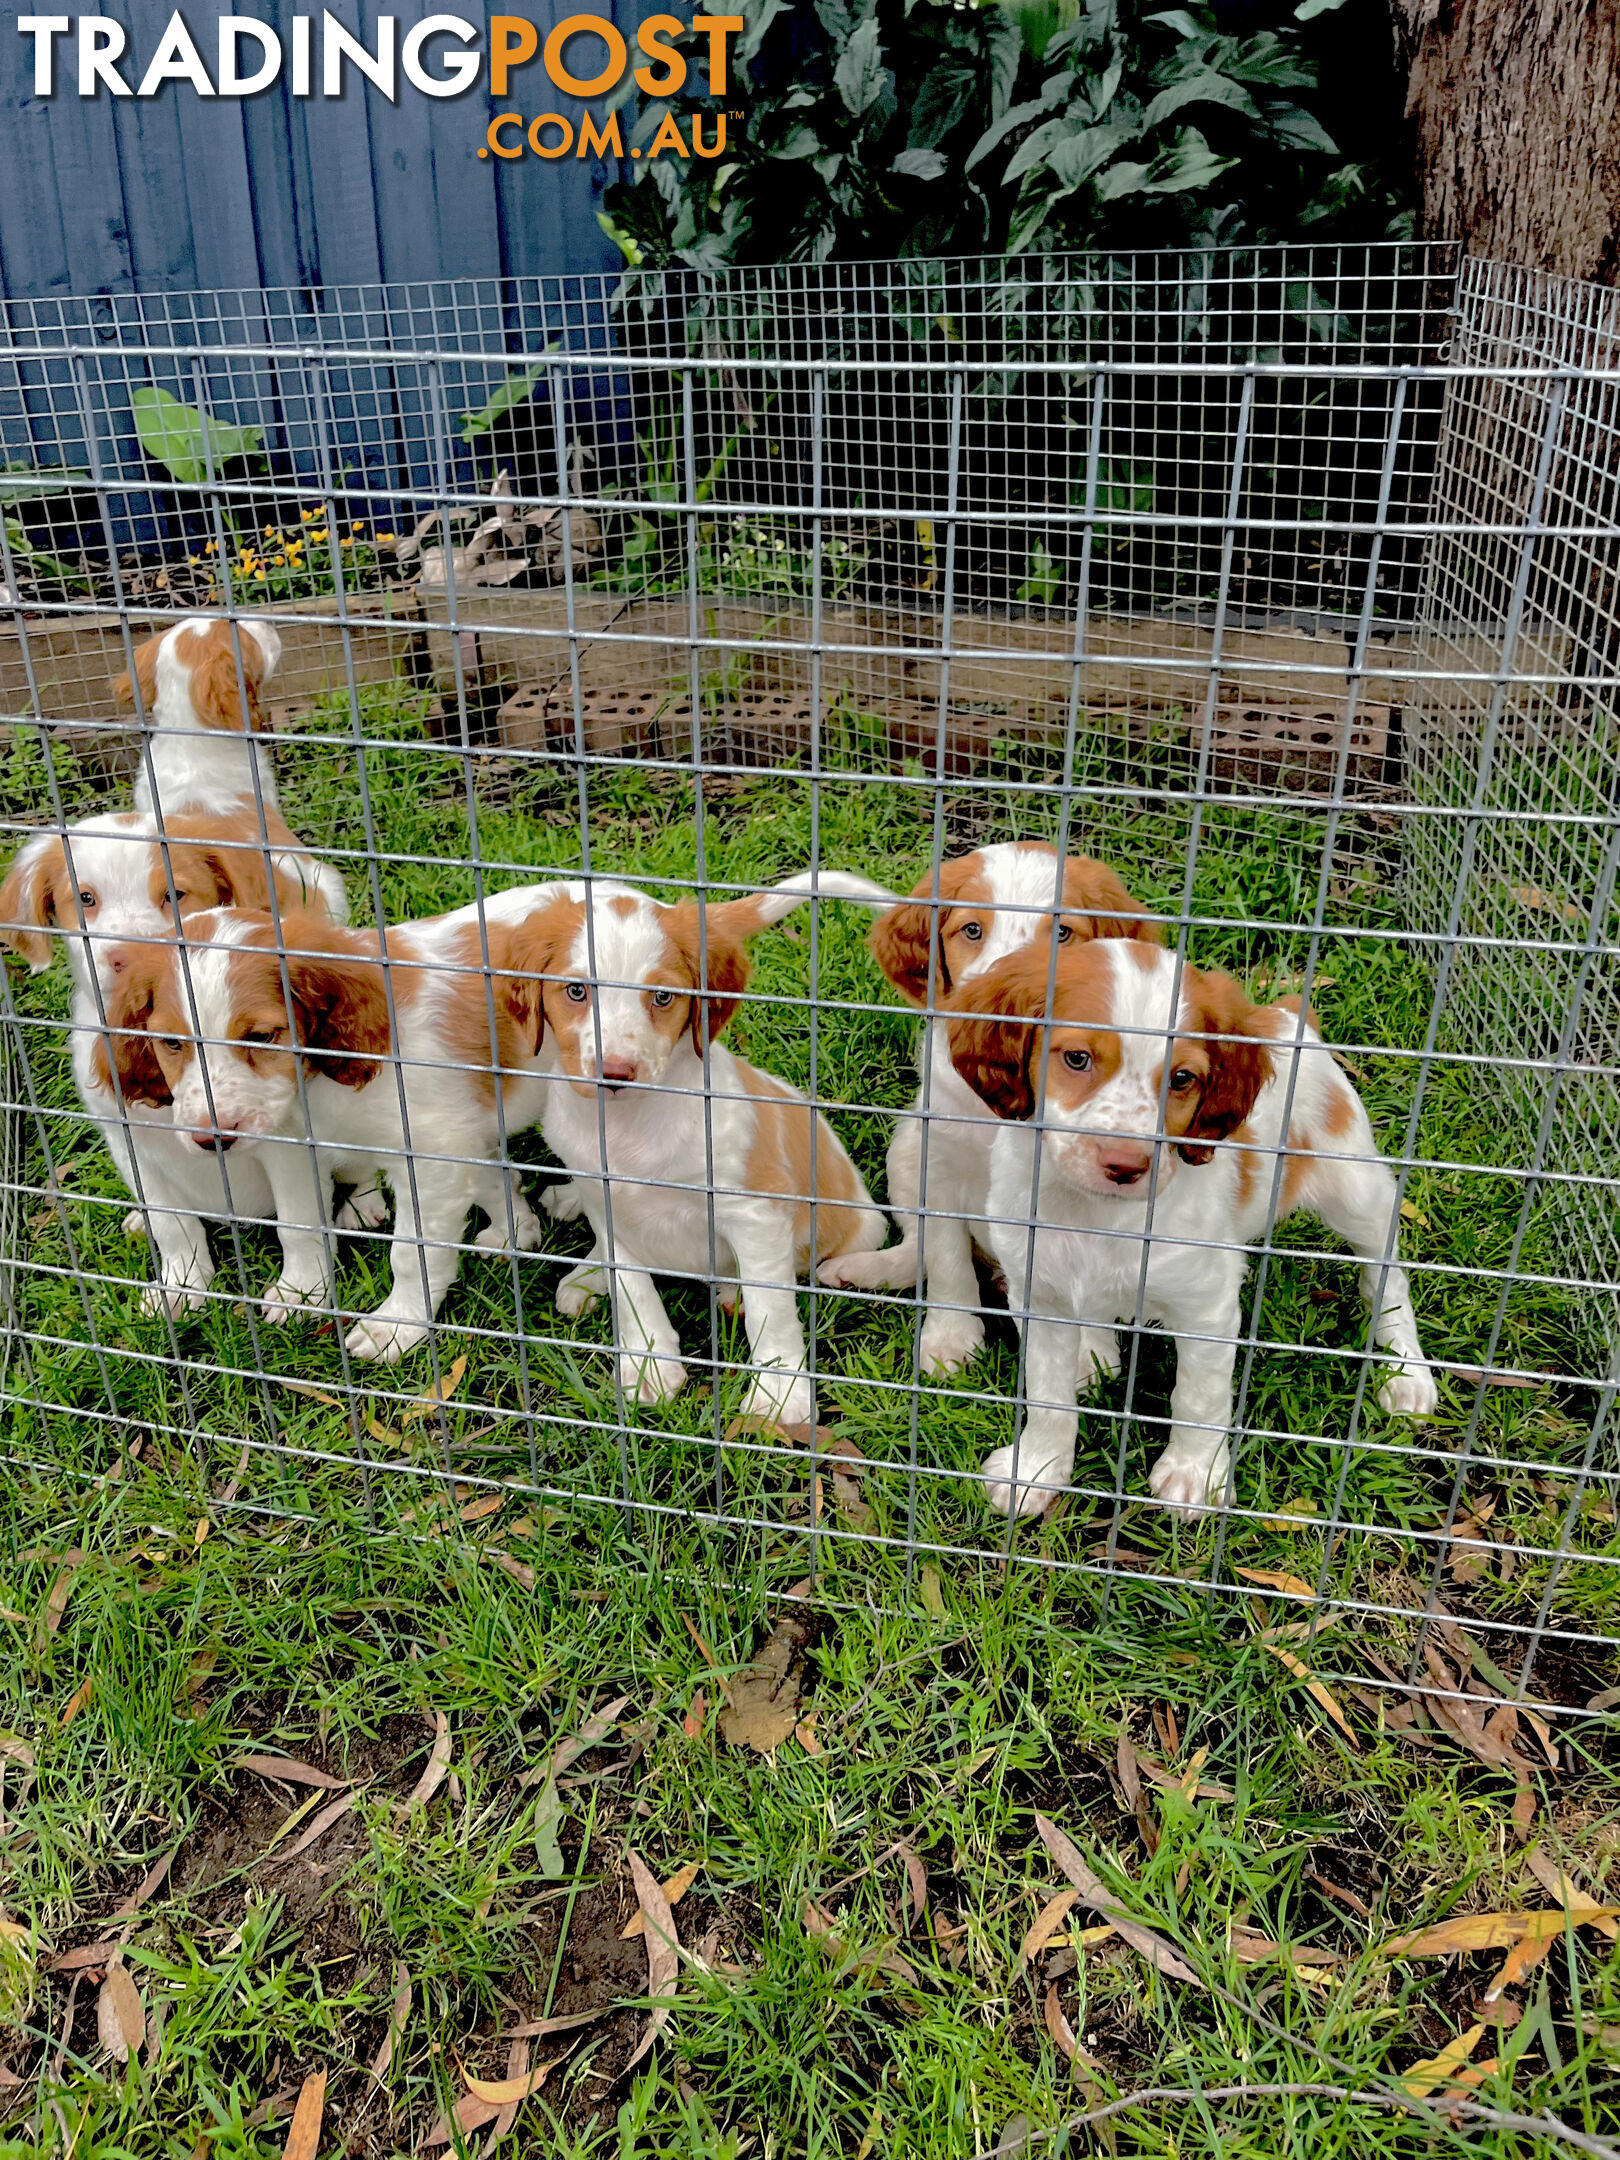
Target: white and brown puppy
(109, 880)
(982, 907)
(1140, 1068)
(234, 1042)
(682, 1150)
(200, 701)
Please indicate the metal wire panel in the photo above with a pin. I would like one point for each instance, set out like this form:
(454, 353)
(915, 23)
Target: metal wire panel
(1278, 579)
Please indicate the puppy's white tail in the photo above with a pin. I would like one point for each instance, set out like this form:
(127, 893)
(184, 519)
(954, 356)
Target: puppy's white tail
(804, 885)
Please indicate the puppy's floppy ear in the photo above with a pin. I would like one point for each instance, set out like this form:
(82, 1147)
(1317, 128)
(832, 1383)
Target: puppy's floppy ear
(146, 674)
(1092, 888)
(900, 941)
(342, 1007)
(727, 980)
(28, 899)
(220, 696)
(1220, 1008)
(537, 947)
(134, 970)
(714, 937)
(997, 1037)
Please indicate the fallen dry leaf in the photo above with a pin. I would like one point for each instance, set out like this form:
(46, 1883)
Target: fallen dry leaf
(763, 1700)
(519, 1570)
(929, 1590)
(692, 1723)
(469, 2113)
(399, 2015)
(303, 1387)
(1063, 2035)
(120, 2015)
(674, 1890)
(591, 1734)
(86, 1957)
(145, 1887)
(1313, 1688)
(441, 1391)
(1130, 1783)
(1252, 1948)
(1203, 1789)
(539, 2028)
(1274, 1579)
(438, 1763)
(319, 1827)
(1522, 1958)
(663, 1957)
(75, 1703)
(504, 2091)
(56, 1604)
(1532, 896)
(825, 1932)
(304, 2137)
(917, 1883)
(1440, 2069)
(804, 1733)
(289, 1770)
(517, 2069)
(1495, 1930)
(1046, 1924)
(1142, 1940)
(477, 1511)
(1568, 1893)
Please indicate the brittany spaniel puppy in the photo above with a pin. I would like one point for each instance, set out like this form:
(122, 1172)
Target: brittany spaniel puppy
(205, 739)
(111, 879)
(680, 1149)
(302, 1076)
(1140, 1072)
(985, 906)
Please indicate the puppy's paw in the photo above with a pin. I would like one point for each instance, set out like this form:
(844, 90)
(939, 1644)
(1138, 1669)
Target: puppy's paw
(365, 1209)
(775, 1400)
(1193, 1479)
(579, 1290)
(134, 1223)
(1410, 1393)
(286, 1298)
(650, 1378)
(384, 1342)
(1099, 1356)
(895, 1268)
(162, 1299)
(497, 1235)
(950, 1340)
(1041, 1472)
(563, 1203)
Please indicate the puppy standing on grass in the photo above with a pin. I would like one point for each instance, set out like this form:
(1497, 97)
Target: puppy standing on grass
(629, 1010)
(111, 879)
(1129, 1031)
(986, 905)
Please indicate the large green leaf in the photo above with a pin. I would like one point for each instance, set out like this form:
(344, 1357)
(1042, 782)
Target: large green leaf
(860, 75)
(514, 391)
(1191, 164)
(184, 439)
(1205, 87)
(26, 483)
(1293, 124)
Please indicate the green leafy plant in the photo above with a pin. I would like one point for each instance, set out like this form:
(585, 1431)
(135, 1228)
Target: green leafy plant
(190, 444)
(912, 128)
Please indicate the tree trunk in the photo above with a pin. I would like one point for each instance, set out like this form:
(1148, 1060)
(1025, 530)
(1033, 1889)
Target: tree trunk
(1516, 110)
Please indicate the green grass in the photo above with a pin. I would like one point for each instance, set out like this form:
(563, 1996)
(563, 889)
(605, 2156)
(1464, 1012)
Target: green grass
(338, 1600)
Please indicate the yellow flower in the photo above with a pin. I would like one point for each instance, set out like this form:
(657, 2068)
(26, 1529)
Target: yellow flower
(212, 548)
(308, 515)
(321, 535)
(262, 576)
(357, 526)
(386, 539)
(193, 559)
(270, 531)
(348, 543)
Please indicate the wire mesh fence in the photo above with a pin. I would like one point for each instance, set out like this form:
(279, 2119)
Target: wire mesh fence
(944, 910)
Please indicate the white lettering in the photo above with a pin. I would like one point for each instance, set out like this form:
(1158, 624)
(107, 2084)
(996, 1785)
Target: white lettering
(302, 29)
(101, 42)
(338, 45)
(461, 68)
(232, 30)
(176, 60)
(44, 30)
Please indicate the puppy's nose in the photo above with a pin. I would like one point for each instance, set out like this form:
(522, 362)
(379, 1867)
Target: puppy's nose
(615, 1073)
(1123, 1165)
(218, 1139)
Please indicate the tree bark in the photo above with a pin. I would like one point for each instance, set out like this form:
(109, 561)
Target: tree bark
(1515, 105)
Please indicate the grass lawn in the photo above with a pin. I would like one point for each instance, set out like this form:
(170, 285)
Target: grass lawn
(228, 1541)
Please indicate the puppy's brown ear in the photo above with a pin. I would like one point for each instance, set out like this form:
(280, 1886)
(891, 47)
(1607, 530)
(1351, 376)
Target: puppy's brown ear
(996, 1037)
(1092, 888)
(29, 897)
(1220, 1009)
(727, 980)
(145, 674)
(134, 971)
(537, 947)
(342, 1006)
(900, 942)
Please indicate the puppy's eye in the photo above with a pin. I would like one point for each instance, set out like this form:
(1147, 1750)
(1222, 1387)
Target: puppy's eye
(576, 993)
(259, 1037)
(1182, 1079)
(88, 899)
(173, 1043)
(1077, 1060)
(663, 998)
(972, 931)
(1065, 932)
